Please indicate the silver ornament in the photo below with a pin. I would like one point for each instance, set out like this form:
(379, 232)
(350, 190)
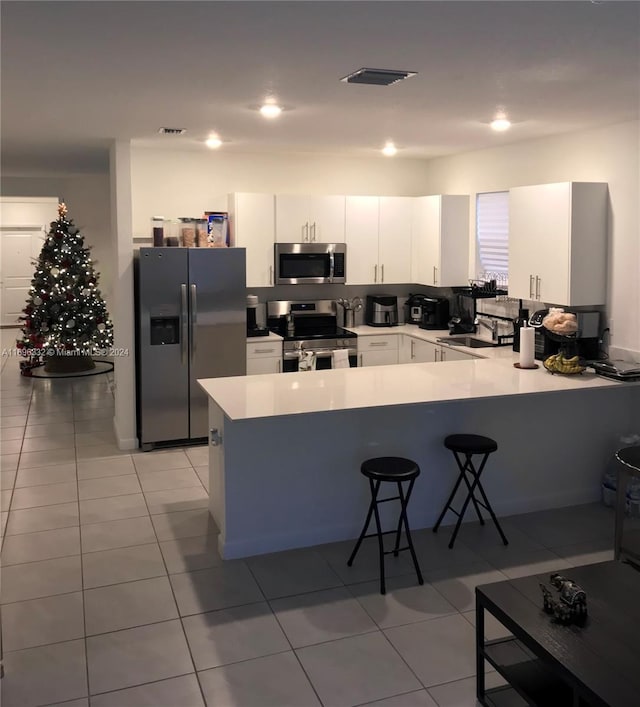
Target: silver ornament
(37, 300)
(101, 327)
(55, 272)
(71, 323)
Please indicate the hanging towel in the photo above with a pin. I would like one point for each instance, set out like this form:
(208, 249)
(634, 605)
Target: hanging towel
(340, 358)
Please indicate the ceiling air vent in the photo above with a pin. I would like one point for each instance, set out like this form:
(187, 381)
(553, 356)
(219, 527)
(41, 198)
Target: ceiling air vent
(378, 77)
(172, 131)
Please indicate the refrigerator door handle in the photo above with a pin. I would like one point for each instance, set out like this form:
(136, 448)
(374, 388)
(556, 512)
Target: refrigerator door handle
(194, 321)
(184, 325)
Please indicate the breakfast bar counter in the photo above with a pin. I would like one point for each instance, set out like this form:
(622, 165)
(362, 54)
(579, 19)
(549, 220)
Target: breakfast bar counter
(286, 448)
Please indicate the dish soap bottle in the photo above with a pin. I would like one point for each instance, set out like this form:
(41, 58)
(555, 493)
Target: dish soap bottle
(522, 320)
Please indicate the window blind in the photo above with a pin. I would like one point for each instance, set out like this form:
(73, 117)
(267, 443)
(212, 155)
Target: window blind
(492, 234)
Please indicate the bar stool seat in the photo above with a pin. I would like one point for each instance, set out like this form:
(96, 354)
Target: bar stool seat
(469, 445)
(395, 470)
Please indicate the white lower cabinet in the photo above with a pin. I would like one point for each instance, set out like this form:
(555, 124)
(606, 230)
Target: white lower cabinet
(415, 350)
(377, 350)
(264, 357)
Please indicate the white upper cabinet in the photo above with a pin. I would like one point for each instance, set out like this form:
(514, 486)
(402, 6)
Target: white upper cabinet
(251, 223)
(361, 232)
(440, 249)
(394, 239)
(309, 219)
(378, 237)
(557, 243)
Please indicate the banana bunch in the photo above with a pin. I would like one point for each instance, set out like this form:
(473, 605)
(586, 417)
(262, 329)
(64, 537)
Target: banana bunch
(557, 363)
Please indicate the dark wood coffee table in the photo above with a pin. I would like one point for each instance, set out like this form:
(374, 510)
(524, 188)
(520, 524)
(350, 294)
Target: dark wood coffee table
(548, 664)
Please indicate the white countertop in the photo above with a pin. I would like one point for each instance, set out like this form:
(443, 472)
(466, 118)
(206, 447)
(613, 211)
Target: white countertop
(277, 394)
(258, 339)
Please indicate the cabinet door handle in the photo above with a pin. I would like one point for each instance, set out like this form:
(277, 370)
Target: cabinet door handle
(435, 354)
(382, 273)
(443, 355)
(271, 274)
(313, 232)
(375, 273)
(279, 366)
(379, 343)
(538, 280)
(435, 275)
(306, 231)
(413, 343)
(360, 360)
(531, 294)
(263, 351)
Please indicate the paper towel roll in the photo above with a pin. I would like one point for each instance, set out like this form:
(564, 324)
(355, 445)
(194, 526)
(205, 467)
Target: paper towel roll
(527, 339)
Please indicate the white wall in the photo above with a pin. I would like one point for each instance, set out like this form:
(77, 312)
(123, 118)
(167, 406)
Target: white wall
(609, 154)
(87, 197)
(124, 421)
(173, 183)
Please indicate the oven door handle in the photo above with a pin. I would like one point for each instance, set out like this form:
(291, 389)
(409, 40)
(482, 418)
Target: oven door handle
(320, 353)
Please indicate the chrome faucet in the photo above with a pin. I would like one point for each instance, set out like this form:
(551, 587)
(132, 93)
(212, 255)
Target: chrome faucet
(490, 324)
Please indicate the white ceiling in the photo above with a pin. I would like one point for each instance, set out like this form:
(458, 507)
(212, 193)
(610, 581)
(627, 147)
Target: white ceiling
(77, 74)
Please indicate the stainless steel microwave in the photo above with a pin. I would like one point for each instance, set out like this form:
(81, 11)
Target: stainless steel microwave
(310, 263)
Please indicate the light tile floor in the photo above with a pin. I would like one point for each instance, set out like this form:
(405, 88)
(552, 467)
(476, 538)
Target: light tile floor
(113, 593)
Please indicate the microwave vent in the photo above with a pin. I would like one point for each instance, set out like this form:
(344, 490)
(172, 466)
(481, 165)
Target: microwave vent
(377, 77)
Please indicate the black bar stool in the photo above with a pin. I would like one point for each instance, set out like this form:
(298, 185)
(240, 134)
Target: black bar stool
(470, 445)
(397, 470)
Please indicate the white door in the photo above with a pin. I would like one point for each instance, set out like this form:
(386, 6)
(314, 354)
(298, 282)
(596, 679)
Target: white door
(448, 353)
(293, 224)
(426, 240)
(20, 248)
(252, 228)
(554, 221)
(423, 351)
(326, 219)
(361, 235)
(394, 239)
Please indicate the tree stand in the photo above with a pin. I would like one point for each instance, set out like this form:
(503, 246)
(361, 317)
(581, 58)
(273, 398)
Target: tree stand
(70, 363)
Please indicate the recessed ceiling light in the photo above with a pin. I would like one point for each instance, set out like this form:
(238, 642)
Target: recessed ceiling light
(389, 150)
(500, 124)
(270, 110)
(213, 142)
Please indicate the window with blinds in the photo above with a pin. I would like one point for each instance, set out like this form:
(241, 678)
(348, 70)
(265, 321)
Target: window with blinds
(492, 235)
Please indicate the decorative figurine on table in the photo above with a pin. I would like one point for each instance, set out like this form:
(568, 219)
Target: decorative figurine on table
(571, 604)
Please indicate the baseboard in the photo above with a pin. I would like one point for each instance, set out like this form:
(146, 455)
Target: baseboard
(124, 443)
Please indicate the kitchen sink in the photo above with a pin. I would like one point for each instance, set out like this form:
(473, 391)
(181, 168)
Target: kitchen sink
(469, 341)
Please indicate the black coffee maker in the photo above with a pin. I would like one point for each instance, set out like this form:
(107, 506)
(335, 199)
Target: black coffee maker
(435, 313)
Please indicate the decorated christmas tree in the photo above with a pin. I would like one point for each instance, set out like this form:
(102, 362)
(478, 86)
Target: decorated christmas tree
(65, 320)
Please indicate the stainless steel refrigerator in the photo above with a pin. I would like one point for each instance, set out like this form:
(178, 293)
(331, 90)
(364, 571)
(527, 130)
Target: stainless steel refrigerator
(191, 323)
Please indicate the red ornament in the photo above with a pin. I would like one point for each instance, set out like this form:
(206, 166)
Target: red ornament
(19, 344)
(58, 235)
(27, 323)
(66, 263)
(70, 297)
(28, 309)
(33, 338)
(45, 297)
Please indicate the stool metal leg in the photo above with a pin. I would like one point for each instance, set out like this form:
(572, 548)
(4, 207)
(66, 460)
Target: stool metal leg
(364, 527)
(468, 467)
(487, 505)
(396, 548)
(376, 515)
(447, 505)
(404, 501)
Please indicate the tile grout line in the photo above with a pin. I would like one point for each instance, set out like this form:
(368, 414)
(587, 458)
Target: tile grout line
(173, 594)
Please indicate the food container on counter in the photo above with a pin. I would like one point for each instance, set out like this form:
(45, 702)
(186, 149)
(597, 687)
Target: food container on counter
(188, 231)
(202, 233)
(157, 225)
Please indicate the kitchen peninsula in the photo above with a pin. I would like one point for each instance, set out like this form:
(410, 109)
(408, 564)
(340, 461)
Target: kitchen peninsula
(284, 462)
